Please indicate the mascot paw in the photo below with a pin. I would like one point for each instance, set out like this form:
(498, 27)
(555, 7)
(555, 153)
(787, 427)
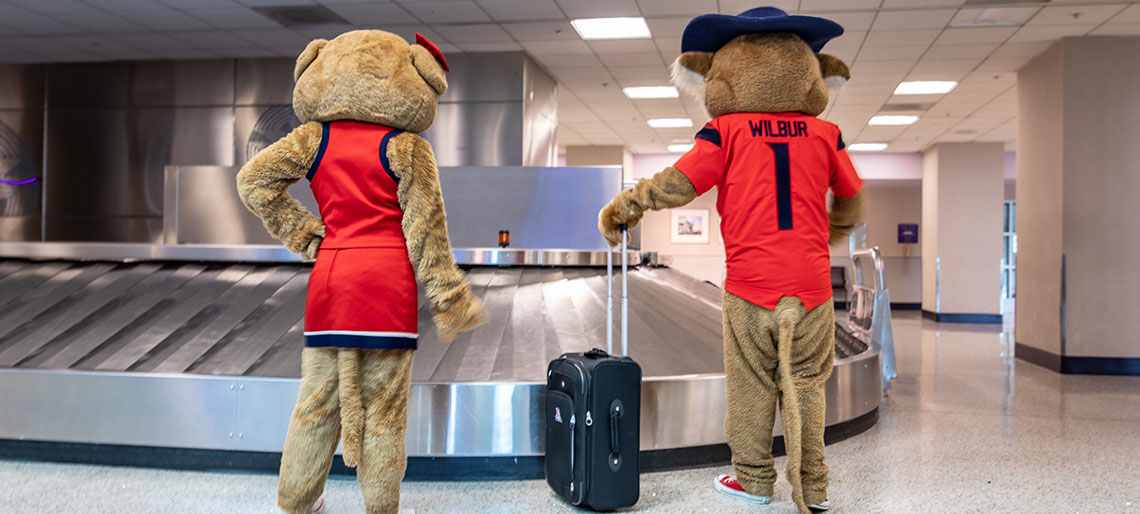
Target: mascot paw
(610, 219)
(460, 318)
(309, 252)
(307, 240)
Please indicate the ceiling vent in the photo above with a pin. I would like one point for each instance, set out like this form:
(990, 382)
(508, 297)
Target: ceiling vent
(301, 15)
(1005, 16)
(906, 107)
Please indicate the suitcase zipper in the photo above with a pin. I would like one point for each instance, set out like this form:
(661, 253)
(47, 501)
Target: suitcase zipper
(573, 421)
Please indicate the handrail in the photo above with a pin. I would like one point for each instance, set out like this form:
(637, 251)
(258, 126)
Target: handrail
(876, 259)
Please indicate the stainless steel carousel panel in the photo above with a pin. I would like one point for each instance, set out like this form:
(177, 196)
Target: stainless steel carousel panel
(477, 133)
(21, 86)
(202, 207)
(21, 174)
(553, 208)
(264, 82)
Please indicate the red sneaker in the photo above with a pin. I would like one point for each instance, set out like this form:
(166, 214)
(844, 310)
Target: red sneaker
(725, 484)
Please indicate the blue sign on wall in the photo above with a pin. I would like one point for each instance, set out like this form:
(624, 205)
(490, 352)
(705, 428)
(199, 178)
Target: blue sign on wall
(908, 233)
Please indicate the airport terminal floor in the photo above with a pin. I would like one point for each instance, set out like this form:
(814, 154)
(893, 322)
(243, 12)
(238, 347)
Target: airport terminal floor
(966, 427)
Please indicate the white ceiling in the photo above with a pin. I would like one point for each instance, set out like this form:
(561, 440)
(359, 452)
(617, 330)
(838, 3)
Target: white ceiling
(887, 41)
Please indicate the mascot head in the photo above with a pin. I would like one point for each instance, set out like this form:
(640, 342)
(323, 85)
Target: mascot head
(762, 60)
(371, 76)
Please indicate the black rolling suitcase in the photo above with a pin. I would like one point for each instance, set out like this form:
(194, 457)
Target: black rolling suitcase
(593, 405)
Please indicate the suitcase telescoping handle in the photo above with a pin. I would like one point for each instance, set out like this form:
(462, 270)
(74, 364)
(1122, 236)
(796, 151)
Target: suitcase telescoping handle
(624, 297)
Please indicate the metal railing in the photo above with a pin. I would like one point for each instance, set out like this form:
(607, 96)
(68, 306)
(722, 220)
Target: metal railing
(869, 309)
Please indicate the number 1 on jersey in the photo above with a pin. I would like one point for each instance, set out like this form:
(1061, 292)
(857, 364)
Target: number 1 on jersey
(783, 185)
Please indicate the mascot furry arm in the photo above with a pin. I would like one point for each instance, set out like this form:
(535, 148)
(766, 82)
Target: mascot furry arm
(453, 307)
(262, 185)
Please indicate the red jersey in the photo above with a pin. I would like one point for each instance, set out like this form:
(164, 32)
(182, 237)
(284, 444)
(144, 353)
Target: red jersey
(355, 188)
(362, 290)
(772, 172)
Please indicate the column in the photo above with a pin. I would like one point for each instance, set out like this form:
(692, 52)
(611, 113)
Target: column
(1078, 178)
(961, 232)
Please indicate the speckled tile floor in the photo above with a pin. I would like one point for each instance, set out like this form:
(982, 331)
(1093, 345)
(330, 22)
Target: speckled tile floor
(966, 428)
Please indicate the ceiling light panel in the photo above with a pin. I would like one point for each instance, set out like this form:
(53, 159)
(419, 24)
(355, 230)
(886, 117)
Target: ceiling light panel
(651, 92)
(925, 87)
(611, 28)
(670, 122)
(893, 120)
(867, 147)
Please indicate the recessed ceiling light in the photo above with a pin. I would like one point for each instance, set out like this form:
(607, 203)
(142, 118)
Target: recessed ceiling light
(867, 147)
(651, 92)
(611, 28)
(925, 87)
(670, 122)
(892, 120)
(681, 148)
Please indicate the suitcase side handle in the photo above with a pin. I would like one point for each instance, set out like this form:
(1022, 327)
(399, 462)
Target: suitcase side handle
(615, 429)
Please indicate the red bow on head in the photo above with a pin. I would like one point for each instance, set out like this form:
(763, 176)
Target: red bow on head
(433, 50)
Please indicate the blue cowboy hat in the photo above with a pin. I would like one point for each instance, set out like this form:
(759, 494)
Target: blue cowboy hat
(710, 32)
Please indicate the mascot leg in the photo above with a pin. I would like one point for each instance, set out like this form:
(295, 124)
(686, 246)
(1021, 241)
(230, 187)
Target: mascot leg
(313, 433)
(812, 360)
(750, 373)
(385, 378)
(785, 355)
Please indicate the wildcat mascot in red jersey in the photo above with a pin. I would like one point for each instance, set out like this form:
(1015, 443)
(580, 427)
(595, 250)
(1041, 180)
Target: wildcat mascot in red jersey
(363, 98)
(763, 81)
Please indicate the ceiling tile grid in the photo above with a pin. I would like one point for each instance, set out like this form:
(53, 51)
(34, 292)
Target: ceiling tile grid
(886, 42)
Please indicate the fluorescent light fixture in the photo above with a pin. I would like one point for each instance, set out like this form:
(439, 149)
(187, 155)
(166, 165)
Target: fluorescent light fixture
(867, 147)
(611, 28)
(925, 87)
(893, 120)
(651, 92)
(681, 148)
(670, 122)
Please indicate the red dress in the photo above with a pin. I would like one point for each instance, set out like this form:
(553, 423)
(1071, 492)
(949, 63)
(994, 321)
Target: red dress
(772, 172)
(362, 291)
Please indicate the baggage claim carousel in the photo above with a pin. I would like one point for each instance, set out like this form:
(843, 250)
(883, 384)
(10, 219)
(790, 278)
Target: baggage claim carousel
(189, 356)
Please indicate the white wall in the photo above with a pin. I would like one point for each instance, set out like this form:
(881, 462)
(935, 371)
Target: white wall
(890, 203)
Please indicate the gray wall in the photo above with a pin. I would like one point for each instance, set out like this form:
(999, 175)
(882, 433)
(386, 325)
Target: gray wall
(108, 130)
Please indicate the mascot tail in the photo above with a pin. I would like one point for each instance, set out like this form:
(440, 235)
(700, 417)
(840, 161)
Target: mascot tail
(351, 405)
(787, 317)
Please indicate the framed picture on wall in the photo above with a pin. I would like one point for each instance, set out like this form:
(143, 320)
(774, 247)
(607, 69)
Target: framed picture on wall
(690, 226)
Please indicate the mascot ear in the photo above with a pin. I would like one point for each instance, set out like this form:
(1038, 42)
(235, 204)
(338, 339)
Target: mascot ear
(429, 69)
(835, 72)
(307, 57)
(430, 63)
(690, 72)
